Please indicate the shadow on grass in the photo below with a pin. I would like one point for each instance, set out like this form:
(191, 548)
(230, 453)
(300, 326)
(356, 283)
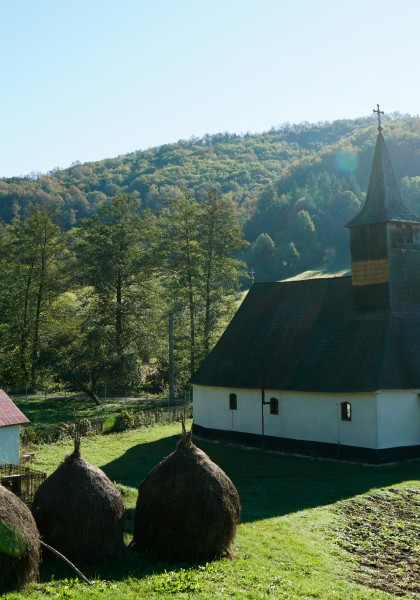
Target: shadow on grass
(269, 484)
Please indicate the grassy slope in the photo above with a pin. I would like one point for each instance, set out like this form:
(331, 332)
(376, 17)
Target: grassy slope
(286, 546)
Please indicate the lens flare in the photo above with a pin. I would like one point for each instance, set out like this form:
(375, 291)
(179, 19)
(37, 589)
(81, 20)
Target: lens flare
(347, 160)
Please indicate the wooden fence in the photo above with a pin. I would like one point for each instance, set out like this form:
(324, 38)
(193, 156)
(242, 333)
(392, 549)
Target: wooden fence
(146, 418)
(22, 481)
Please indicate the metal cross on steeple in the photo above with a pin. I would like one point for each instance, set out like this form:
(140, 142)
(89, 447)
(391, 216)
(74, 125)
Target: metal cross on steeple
(379, 113)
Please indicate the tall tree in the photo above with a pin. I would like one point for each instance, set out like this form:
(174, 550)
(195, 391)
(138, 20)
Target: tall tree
(115, 259)
(34, 271)
(221, 240)
(181, 254)
(200, 239)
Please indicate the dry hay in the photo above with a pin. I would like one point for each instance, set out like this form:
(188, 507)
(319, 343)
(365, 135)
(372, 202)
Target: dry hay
(80, 512)
(187, 507)
(19, 543)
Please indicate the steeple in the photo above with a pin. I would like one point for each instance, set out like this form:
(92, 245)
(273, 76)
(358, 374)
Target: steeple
(383, 199)
(385, 242)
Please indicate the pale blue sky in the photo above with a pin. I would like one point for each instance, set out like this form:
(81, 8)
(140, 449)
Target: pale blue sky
(92, 79)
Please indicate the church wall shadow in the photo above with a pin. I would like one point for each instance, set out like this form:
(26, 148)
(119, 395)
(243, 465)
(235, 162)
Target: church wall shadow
(270, 484)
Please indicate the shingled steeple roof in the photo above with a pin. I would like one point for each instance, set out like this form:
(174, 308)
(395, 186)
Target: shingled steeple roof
(383, 199)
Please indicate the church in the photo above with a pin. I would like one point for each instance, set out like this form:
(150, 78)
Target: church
(328, 367)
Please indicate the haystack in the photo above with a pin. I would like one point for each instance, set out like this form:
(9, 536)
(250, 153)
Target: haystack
(187, 507)
(19, 543)
(80, 512)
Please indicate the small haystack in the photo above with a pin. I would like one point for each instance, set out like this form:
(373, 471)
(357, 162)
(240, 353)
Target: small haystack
(80, 512)
(20, 551)
(187, 507)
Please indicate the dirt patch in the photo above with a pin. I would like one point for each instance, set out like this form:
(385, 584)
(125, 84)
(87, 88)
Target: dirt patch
(382, 532)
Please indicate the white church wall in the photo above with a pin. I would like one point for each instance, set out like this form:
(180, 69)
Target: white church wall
(9, 445)
(302, 416)
(398, 418)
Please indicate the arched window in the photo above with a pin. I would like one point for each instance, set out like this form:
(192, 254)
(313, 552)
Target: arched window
(233, 402)
(345, 411)
(274, 406)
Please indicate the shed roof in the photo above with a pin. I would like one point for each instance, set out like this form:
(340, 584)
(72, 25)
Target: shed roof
(9, 412)
(308, 338)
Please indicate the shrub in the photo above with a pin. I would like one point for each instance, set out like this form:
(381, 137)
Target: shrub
(66, 431)
(125, 420)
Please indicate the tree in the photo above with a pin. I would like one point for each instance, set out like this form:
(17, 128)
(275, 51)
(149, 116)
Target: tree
(80, 351)
(263, 257)
(182, 264)
(221, 239)
(34, 270)
(115, 263)
(199, 241)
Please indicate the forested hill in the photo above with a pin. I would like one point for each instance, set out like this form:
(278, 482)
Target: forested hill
(295, 187)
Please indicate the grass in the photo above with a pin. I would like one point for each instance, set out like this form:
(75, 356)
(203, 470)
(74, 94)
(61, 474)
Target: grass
(51, 411)
(290, 544)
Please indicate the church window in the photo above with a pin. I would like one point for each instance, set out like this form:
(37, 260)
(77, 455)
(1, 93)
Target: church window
(274, 406)
(345, 411)
(233, 402)
(404, 233)
(408, 234)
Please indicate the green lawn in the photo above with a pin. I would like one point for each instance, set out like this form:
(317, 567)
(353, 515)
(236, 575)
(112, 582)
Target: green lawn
(52, 410)
(295, 516)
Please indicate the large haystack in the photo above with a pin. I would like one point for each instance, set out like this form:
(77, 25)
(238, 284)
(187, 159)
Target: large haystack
(19, 543)
(80, 512)
(187, 507)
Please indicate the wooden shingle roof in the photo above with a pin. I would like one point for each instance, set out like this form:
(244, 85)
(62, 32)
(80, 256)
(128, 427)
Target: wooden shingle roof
(383, 199)
(9, 412)
(308, 338)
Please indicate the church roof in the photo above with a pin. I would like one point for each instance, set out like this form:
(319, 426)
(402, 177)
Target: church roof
(383, 199)
(308, 338)
(9, 412)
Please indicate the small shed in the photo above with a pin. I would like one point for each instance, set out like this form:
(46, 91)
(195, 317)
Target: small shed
(10, 420)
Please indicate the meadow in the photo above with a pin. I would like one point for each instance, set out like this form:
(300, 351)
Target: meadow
(309, 528)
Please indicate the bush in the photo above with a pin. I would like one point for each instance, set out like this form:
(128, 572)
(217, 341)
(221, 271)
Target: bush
(125, 420)
(30, 436)
(65, 431)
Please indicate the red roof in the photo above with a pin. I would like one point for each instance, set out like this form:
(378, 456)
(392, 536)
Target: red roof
(9, 412)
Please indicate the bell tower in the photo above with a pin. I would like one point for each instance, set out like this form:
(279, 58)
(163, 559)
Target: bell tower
(385, 243)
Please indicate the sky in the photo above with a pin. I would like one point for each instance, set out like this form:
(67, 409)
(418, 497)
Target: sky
(84, 80)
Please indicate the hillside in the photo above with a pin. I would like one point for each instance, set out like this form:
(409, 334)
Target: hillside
(295, 187)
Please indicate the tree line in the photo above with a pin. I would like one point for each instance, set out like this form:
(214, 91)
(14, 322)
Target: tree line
(89, 306)
(294, 186)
